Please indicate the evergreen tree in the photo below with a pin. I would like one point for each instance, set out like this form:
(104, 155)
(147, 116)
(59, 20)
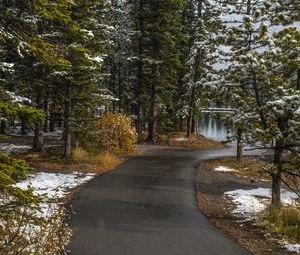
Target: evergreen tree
(258, 79)
(200, 60)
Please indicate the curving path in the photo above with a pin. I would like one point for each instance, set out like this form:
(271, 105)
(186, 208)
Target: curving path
(147, 207)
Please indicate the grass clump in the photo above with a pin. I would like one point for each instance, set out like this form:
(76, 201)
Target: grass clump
(105, 159)
(100, 158)
(284, 222)
(80, 155)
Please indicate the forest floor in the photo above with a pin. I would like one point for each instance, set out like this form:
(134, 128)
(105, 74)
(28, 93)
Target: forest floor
(50, 160)
(217, 177)
(195, 141)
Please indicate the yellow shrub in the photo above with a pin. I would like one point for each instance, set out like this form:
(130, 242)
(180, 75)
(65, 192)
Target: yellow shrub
(115, 133)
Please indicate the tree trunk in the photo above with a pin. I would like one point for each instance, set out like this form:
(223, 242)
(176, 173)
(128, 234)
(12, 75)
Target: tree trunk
(120, 87)
(3, 127)
(276, 176)
(193, 127)
(23, 127)
(298, 80)
(191, 114)
(188, 125)
(153, 108)
(181, 124)
(38, 142)
(51, 122)
(153, 116)
(67, 126)
(46, 110)
(239, 150)
(139, 122)
(113, 84)
(140, 75)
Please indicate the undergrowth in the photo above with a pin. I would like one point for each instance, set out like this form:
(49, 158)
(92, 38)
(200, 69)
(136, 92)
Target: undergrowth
(249, 166)
(284, 221)
(103, 159)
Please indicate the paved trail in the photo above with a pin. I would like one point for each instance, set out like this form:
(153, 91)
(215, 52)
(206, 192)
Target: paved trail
(147, 207)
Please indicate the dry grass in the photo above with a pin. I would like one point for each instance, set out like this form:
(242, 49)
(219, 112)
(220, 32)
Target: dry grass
(91, 160)
(103, 159)
(284, 222)
(106, 160)
(248, 167)
(80, 155)
(193, 142)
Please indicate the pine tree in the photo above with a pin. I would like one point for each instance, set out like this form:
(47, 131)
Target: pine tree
(259, 81)
(201, 57)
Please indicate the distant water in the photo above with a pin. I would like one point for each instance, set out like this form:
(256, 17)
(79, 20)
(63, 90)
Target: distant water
(212, 127)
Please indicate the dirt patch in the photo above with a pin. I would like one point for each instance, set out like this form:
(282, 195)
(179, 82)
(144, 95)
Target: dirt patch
(210, 187)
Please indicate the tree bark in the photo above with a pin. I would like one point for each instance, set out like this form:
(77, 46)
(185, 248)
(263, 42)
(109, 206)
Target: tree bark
(191, 115)
(38, 141)
(67, 125)
(23, 127)
(51, 122)
(276, 176)
(139, 122)
(188, 125)
(239, 150)
(181, 124)
(152, 134)
(140, 75)
(3, 127)
(46, 110)
(298, 80)
(194, 127)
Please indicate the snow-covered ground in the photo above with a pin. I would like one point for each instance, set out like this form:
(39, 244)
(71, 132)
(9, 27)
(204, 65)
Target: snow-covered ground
(13, 148)
(54, 186)
(295, 248)
(251, 202)
(224, 169)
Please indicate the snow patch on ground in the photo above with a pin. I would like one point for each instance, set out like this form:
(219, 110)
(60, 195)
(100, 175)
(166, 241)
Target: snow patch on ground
(53, 186)
(13, 148)
(295, 248)
(224, 169)
(251, 202)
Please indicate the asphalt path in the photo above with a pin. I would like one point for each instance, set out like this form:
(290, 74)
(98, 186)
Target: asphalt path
(147, 207)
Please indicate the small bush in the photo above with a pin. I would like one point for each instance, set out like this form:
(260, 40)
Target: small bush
(115, 133)
(284, 221)
(80, 155)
